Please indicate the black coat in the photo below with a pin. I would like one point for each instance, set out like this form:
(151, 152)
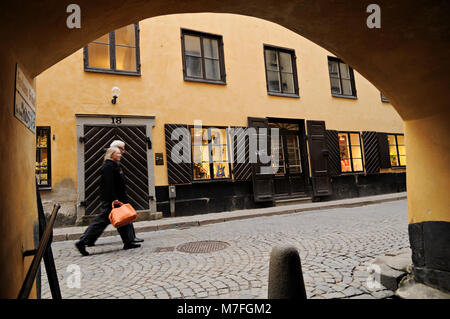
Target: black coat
(113, 184)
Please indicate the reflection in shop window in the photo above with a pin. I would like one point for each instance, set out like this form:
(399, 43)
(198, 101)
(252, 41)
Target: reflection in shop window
(350, 152)
(397, 153)
(210, 153)
(43, 169)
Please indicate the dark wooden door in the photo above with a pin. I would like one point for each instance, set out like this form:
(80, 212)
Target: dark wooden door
(134, 163)
(318, 152)
(262, 179)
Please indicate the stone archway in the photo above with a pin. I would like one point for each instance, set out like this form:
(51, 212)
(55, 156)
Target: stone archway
(407, 59)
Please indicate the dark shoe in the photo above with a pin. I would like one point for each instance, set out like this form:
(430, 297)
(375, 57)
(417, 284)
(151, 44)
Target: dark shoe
(81, 248)
(131, 246)
(138, 240)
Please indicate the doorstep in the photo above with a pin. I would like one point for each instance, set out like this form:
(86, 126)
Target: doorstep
(73, 233)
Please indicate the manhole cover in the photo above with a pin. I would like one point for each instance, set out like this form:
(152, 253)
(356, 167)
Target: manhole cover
(206, 246)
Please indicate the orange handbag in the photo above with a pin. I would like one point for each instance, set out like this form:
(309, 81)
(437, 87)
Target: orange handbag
(122, 215)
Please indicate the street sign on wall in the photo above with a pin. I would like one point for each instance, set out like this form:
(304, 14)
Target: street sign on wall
(24, 100)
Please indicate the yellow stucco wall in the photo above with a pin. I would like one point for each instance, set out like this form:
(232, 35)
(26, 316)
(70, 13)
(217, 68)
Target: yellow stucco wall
(66, 89)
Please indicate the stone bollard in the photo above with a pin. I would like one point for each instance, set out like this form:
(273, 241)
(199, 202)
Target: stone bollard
(285, 274)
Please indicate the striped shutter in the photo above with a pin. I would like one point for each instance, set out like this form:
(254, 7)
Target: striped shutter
(371, 152)
(242, 169)
(334, 158)
(383, 148)
(179, 167)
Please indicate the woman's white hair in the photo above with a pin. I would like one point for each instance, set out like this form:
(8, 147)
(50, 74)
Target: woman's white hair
(109, 152)
(117, 143)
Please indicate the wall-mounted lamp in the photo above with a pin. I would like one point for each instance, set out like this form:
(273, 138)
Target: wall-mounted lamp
(115, 91)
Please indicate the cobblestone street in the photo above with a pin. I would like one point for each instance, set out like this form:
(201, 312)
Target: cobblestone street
(335, 247)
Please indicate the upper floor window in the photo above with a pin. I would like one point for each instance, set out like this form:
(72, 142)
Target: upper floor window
(43, 159)
(116, 52)
(210, 153)
(203, 58)
(350, 152)
(342, 79)
(397, 153)
(281, 71)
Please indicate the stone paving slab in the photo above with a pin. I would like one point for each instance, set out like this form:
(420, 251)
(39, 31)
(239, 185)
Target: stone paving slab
(73, 233)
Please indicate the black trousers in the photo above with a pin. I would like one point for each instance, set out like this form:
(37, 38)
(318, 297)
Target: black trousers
(99, 223)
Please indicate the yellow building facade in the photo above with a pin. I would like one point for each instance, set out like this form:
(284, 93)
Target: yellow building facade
(259, 72)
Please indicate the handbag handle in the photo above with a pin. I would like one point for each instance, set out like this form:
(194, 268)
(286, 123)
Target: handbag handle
(117, 203)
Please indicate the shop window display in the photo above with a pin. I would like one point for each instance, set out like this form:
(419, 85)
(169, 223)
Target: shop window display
(43, 156)
(397, 153)
(350, 152)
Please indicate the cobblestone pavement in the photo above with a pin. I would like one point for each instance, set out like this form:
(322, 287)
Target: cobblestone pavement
(335, 247)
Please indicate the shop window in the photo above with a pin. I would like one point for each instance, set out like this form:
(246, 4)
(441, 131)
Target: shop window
(397, 153)
(210, 153)
(116, 52)
(281, 71)
(350, 152)
(43, 159)
(342, 78)
(203, 58)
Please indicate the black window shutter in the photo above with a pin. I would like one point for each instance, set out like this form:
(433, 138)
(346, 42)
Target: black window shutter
(371, 152)
(318, 153)
(334, 159)
(242, 169)
(383, 148)
(179, 167)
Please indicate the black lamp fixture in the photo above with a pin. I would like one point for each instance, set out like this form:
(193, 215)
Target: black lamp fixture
(115, 91)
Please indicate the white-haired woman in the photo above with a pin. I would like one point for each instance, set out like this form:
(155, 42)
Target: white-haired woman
(112, 190)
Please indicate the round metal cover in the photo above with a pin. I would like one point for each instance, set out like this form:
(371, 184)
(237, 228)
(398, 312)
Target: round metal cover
(205, 246)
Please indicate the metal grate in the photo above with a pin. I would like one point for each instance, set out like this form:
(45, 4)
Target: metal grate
(206, 246)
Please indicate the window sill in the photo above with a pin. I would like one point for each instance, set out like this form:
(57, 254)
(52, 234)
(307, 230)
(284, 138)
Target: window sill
(44, 188)
(385, 101)
(205, 81)
(351, 97)
(201, 181)
(284, 94)
(92, 70)
(398, 167)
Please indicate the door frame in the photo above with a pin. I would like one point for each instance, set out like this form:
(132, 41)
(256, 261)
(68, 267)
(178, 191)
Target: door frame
(107, 120)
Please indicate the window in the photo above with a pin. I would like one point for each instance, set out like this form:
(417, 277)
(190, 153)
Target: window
(210, 153)
(43, 159)
(397, 153)
(203, 59)
(342, 79)
(116, 52)
(350, 152)
(383, 98)
(281, 71)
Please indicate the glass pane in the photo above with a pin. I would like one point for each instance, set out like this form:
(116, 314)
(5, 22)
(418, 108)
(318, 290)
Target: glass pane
(273, 79)
(98, 56)
(401, 139)
(356, 152)
(346, 165)
(271, 60)
(199, 135)
(41, 139)
(200, 153)
(392, 150)
(403, 160)
(391, 139)
(219, 153)
(201, 171)
(347, 87)
(357, 165)
(345, 73)
(287, 83)
(354, 138)
(192, 45)
(221, 170)
(401, 150)
(394, 161)
(333, 69)
(194, 66)
(335, 86)
(343, 145)
(218, 136)
(278, 170)
(211, 48)
(103, 39)
(286, 62)
(126, 35)
(126, 59)
(212, 68)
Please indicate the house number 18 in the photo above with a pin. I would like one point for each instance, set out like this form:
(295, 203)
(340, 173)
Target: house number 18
(116, 120)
